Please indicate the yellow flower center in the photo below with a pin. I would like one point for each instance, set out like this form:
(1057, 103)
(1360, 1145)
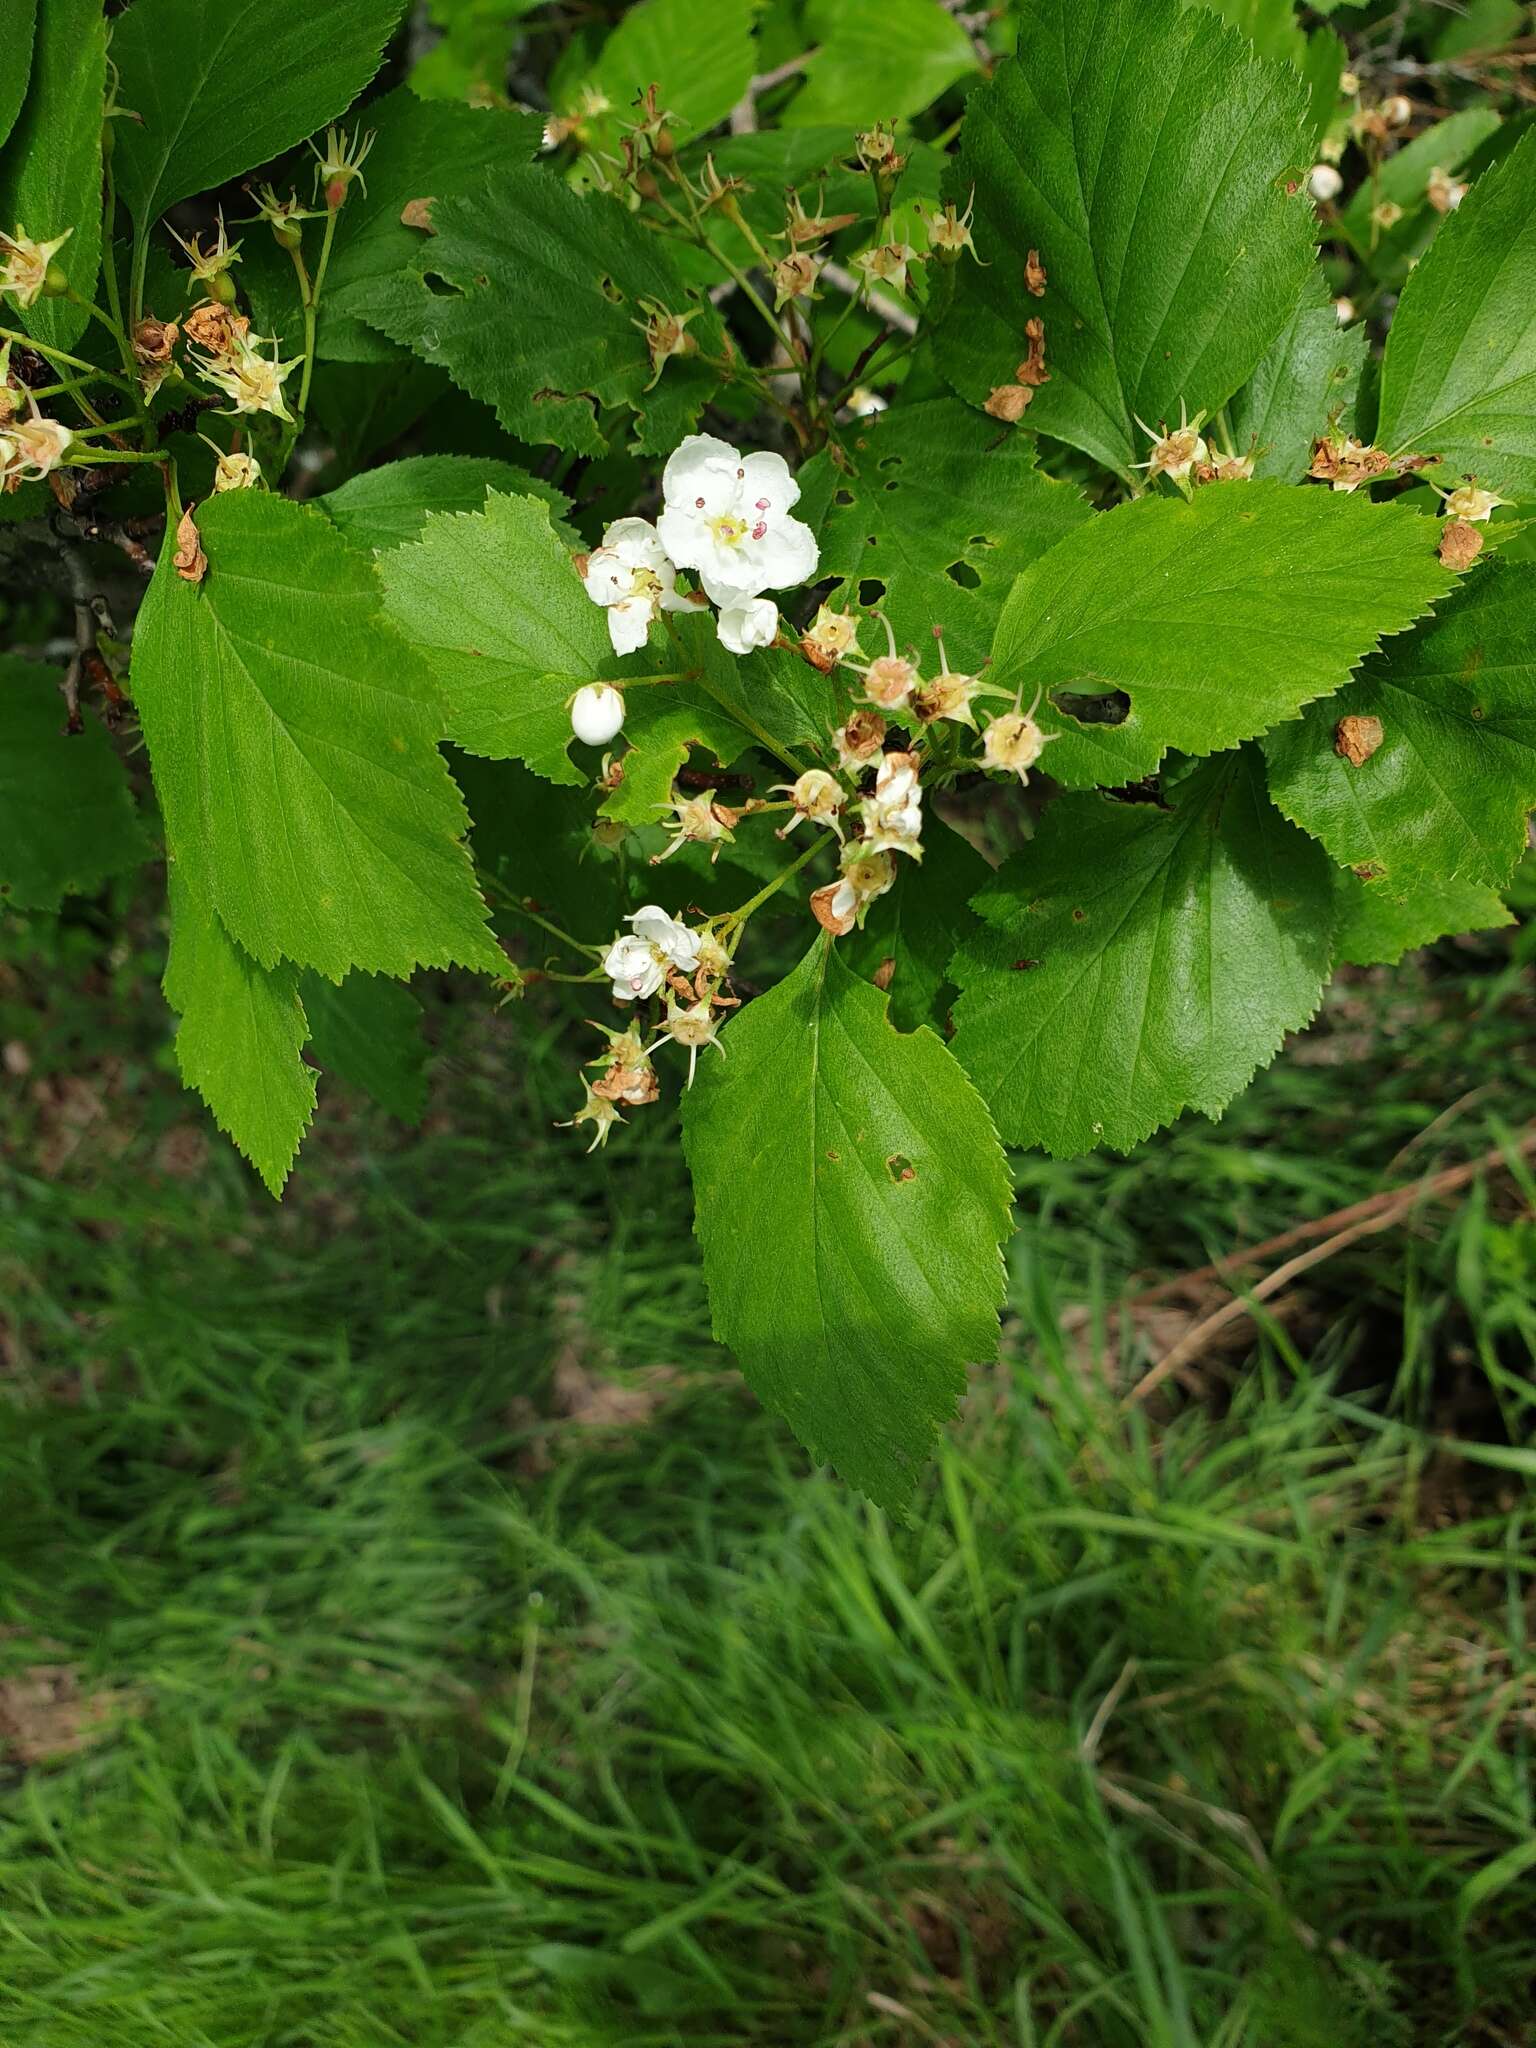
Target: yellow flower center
(728, 530)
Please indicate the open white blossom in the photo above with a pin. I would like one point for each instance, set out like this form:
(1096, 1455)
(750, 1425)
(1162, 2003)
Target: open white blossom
(753, 622)
(893, 816)
(632, 575)
(727, 516)
(637, 961)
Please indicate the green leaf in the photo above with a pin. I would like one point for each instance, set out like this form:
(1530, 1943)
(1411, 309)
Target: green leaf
(1377, 928)
(919, 924)
(293, 737)
(532, 305)
(1402, 179)
(1154, 191)
(1142, 961)
(241, 1034)
(878, 60)
(470, 59)
(1304, 383)
(15, 61)
(1445, 795)
(1191, 610)
(1323, 65)
(367, 1031)
(850, 1198)
(421, 149)
(1459, 377)
(699, 54)
(221, 89)
(67, 821)
(943, 513)
(50, 170)
(492, 600)
(386, 507)
(1270, 25)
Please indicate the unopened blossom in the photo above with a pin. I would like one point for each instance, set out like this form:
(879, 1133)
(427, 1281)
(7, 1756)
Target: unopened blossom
(236, 472)
(637, 962)
(747, 623)
(1397, 111)
(1174, 455)
(866, 875)
(887, 264)
(24, 273)
(30, 448)
(694, 1025)
(949, 232)
(251, 381)
(830, 638)
(632, 576)
(794, 277)
(597, 713)
(893, 816)
(1344, 310)
(815, 795)
(727, 515)
(701, 819)
(890, 678)
(1470, 503)
(340, 164)
(666, 335)
(1444, 192)
(211, 264)
(1324, 182)
(951, 694)
(1014, 743)
(859, 742)
(598, 1112)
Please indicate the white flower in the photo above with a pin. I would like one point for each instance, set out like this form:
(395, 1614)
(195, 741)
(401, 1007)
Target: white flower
(637, 961)
(632, 576)
(727, 515)
(750, 622)
(893, 816)
(1015, 743)
(1468, 502)
(25, 269)
(597, 712)
(1324, 182)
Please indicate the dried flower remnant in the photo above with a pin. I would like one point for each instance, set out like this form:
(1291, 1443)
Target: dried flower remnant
(1444, 192)
(1348, 463)
(1174, 455)
(29, 271)
(666, 335)
(1008, 402)
(1356, 738)
(210, 265)
(32, 448)
(830, 638)
(1014, 743)
(1035, 278)
(417, 213)
(859, 743)
(190, 561)
(1032, 370)
(815, 795)
(702, 819)
(1460, 544)
(887, 264)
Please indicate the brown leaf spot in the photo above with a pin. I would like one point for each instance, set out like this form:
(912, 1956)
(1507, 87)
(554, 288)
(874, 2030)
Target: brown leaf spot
(900, 1168)
(417, 213)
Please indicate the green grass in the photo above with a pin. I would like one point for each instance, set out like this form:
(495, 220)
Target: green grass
(444, 1718)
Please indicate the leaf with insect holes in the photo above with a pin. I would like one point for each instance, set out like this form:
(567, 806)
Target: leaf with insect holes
(50, 169)
(383, 508)
(528, 295)
(217, 90)
(1145, 152)
(1142, 960)
(421, 150)
(1303, 386)
(367, 1031)
(1445, 796)
(293, 736)
(850, 1197)
(491, 599)
(67, 821)
(241, 1034)
(941, 512)
(1190, 611)
(1459, 376)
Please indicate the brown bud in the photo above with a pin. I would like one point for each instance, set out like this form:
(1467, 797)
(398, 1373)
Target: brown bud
(417, 213)
(1035, 279)
(154, 339)
(1460, 544)
(1355, 739)
(191, 562)
(1008, 401)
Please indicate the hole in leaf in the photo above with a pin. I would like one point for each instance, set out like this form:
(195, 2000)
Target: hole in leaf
(892, 484)
(892, 461)
(1100, 707)
(963, 574)
(900, 1168)
(610, 290)
(842, 497)
(871, 590)
(439, 287)
(982, 540)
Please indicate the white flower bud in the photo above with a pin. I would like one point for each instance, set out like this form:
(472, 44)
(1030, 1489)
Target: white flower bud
(1324, 182)
(597, 713)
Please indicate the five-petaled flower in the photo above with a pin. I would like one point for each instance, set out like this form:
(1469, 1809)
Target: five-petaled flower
(637, 962)
(727, 516)
(633, 577)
